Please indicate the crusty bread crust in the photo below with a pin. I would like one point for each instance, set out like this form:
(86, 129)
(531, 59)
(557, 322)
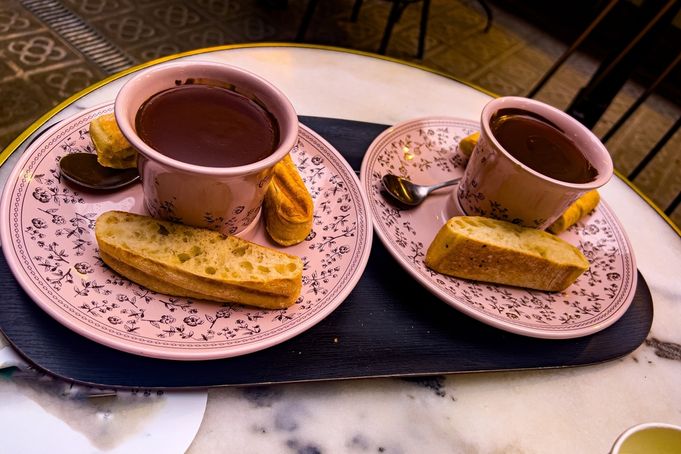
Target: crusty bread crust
(150, 282)
(186, 261)
(288, 206)
(483, 249)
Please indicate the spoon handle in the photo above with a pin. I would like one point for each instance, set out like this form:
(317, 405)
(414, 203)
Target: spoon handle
(444, 183)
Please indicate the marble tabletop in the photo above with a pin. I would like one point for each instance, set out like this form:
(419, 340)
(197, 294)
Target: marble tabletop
(565, 410)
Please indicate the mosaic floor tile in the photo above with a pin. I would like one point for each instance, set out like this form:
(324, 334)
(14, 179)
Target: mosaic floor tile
(99, 9)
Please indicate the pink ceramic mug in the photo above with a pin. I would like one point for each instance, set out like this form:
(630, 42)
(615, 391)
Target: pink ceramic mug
(227, 199)
(495, 184)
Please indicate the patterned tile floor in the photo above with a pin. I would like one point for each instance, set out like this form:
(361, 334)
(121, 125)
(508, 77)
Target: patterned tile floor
(41, 66)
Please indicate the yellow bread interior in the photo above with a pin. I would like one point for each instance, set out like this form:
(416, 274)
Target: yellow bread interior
(202, 263)
(483, 249)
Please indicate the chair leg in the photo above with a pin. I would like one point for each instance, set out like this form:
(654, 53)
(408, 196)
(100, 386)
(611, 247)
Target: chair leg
(488, 12)
(573, 47)
(392, 19)
(355, 10)
(641, 99)
(672, 206)
(307, 17)
(425, 9)
(593, 100)
(656, 149)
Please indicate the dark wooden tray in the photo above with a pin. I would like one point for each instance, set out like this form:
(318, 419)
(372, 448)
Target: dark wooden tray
(388, 326)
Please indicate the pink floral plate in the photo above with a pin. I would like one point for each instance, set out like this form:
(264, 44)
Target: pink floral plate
(48, 240)
(425, 151)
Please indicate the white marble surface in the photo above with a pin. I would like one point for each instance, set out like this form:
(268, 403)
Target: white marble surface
(43, 414)
(559, 411)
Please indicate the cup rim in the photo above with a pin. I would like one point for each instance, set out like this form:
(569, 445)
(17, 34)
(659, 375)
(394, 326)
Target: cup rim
(624, 436)
(122, 107)
(605, 172)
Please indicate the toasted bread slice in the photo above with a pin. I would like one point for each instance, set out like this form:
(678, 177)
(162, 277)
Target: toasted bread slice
(198, 263)
(113, 150)
(288, 205)
(483, 249)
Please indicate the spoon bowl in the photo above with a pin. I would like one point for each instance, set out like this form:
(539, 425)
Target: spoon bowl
(408, 193)
(84, 170)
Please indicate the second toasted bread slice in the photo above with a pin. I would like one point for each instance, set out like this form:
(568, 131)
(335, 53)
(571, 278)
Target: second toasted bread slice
(288, 206)
(187, 261)
(483, 249)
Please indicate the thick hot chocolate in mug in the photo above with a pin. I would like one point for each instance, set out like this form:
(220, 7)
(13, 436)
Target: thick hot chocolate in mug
(541, 145)
(531, 162)
(209, 126)
(208, 136)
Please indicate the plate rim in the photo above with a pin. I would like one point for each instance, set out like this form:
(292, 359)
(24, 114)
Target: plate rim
(161, 352)
(444, 297)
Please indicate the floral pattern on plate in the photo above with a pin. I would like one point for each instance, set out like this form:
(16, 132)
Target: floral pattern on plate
(425, 151)
(48, 239)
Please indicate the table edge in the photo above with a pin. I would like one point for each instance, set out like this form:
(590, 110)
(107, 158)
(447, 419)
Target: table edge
(21, 138)
(7, 152)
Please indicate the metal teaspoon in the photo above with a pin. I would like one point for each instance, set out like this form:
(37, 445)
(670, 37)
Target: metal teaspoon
(408, 193)
(84, 170)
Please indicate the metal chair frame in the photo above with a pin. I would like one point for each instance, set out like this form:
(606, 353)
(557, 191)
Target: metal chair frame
(617, 65)
(396, 10)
